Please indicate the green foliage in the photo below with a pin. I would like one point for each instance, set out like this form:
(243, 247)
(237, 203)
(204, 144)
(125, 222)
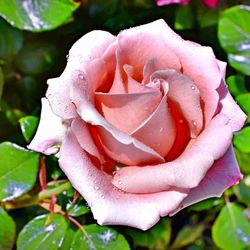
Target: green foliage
(18, 170)
(236, 85)
(99, 238)
(244, 102)
(242, 140)
(37, 15)
(231, 229)
(43, 233)
(7, 232)
(28, 126)
(234, 36)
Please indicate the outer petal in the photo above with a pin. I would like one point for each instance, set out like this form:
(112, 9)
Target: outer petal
(113, 140)
(166, 2)
(224, 173)
(187, 170)
(46, 140)
(211, 3)
(88, 48)
(110, 205)
(193, 57)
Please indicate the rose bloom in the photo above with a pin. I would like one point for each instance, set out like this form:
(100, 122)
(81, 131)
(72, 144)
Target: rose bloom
(142, 124)
(209, 3)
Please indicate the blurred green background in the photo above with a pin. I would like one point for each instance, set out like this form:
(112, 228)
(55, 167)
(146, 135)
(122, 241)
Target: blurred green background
(39, 208)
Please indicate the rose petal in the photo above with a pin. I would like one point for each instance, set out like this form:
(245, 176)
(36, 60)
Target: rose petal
(88, 48)
(111, 206)
(46, 140)
(158, 131)
(166, 2)
(185, 94)
(211, 3)
(138, 45)
(115, 141)
(187, 170)
(83, 136)
(224, 173)
(137, 107)
(193, 57)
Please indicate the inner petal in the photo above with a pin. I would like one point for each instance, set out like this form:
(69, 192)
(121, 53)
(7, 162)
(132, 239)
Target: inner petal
(127, 111)
(186, 95)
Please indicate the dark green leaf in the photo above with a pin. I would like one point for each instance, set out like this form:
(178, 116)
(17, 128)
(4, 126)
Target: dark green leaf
(18, 170)
(234, 36)
(243, 160)
(184, 18)
(231, 229)
(7, 232)
(36, 235)
(11, 40)
(242, 140)
(36, 58)
(1, 83)
(236, 85)
(243, 192)
(76, 209)
(68, 239)
(157, 237)
(187, 235)
(37, 15)
(244, 102)
(28, 126)
(99, 238)
(206, 204)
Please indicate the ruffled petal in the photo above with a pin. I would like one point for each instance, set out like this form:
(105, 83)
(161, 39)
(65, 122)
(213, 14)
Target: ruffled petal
(113, 140)
(47, 141)
(224, 173)
(138, 45)
(184, 93)
(111, 206)
(187, 170)
(84, 52)
(158, 131)
(198, 62)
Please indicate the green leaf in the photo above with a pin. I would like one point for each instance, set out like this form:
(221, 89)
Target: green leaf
(236, 85)
(234, 36)
(68, 239)
(244, 102)
(7, 232)
(28, 126)
(243, 192)
(37, 235)
(36, 58)
(37, 15)
(184, 18)
(76, 210)
(242, 140)
(1, 83)
(231, 229)
(243, 161)
(18, 170)
(11, 40)
(187, 235)
(99, 238)
(157, 237)
(206, 204)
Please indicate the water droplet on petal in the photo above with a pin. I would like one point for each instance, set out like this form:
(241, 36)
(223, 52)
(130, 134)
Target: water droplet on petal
(181, 121)
(194, 123)
(97, 188)
(161, 130)
(119, 182)
(81, 76)
(193, 87)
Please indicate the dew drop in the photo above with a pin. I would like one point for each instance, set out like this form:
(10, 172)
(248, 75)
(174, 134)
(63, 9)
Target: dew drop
(119, 182)
(193, 87)
(194, 123)
(102, 196)
(97, 188)
(81, 76)
(181, 121)
(161, 130)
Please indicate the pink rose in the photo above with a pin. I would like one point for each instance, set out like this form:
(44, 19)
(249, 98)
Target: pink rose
(144, 123)
(209, 3)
